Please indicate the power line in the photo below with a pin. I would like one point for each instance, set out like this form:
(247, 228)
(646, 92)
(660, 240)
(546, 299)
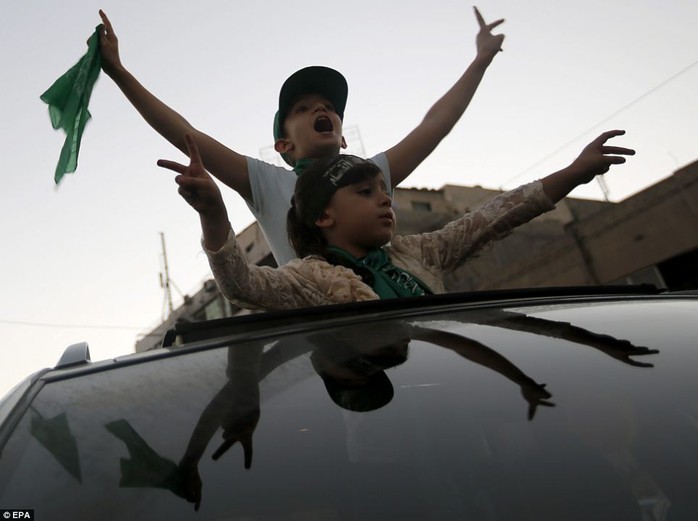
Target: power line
(614, 114)
(72, 326)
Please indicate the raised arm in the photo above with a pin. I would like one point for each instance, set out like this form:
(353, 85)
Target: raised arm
(496, 218)
(595, 159)
(225, 164)
(443, 115)
(534, 393)
(248, 285)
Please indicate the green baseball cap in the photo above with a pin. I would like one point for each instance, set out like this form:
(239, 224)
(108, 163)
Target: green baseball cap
(315, 79)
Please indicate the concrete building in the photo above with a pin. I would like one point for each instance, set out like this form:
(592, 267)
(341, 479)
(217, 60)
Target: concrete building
(650, 237)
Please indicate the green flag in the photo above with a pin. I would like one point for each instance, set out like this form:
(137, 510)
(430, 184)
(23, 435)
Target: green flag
(67, 102)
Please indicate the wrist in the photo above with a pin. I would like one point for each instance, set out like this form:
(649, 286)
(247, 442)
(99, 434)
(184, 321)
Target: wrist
(188, 462)
(215, 234)
(577, 174)
(116, 71)
(483, 59)
(214, 216)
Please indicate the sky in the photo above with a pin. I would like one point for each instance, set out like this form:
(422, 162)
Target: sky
(81, 261)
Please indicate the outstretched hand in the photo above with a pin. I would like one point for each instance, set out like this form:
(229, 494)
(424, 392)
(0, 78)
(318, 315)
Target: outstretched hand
(597, 158)
(535, 394)
(623, 351)
(109, 46)
(202, 193)
(190, 483)
(239, 428)
(488, 44)
(195, 184)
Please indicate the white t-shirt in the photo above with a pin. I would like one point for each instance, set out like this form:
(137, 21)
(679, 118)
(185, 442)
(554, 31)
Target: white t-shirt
(272, 189)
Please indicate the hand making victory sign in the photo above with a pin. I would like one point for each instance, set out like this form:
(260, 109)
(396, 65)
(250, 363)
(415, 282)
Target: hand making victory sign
(199, 189)
(488, 44)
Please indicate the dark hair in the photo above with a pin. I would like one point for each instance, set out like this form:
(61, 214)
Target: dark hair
(313, 193)
(311, 196)
(306, 239)
(374, 391)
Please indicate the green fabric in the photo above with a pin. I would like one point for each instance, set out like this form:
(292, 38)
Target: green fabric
(389, 281)
(301, 165)
(67, 101)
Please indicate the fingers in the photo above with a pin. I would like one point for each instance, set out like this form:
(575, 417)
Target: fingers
(106, 22)
(196, 498)
(631, 361)
(495, 24)
(480, 19)
(172, 165)
(531, 411)
(532, 407)
(192, 184)
(195, 162)
(608, 135)
(618, 151)
(190, 484)
(196, 187)
(612, 133)
(635, 363)
(194, 155)
(641, 352)
(247, 448)
(223, 448)
(614, 160)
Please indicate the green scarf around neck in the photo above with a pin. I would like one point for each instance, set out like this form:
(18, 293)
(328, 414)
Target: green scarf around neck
(301, 165)
(389, 281)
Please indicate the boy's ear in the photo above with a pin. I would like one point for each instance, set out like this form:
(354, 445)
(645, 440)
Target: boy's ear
(344, 142)
(283, 145)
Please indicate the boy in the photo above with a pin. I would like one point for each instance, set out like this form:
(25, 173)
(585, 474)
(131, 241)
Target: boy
(308, 126)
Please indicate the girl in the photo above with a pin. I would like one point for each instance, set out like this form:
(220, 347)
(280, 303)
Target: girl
(341, 225)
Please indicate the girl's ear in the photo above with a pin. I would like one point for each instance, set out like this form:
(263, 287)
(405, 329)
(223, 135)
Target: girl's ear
(326, 219)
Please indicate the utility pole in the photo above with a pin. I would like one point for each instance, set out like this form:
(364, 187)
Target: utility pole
(604, 187)
(165, 281)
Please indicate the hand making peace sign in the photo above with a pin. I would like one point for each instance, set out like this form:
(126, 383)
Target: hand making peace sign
(488, 44)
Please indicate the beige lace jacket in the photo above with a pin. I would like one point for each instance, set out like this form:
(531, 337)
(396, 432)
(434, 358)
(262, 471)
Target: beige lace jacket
(313, 282)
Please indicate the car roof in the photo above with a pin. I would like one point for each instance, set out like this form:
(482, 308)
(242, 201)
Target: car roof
(525, 405)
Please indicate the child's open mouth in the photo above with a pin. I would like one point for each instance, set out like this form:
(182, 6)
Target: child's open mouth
(323, 124)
